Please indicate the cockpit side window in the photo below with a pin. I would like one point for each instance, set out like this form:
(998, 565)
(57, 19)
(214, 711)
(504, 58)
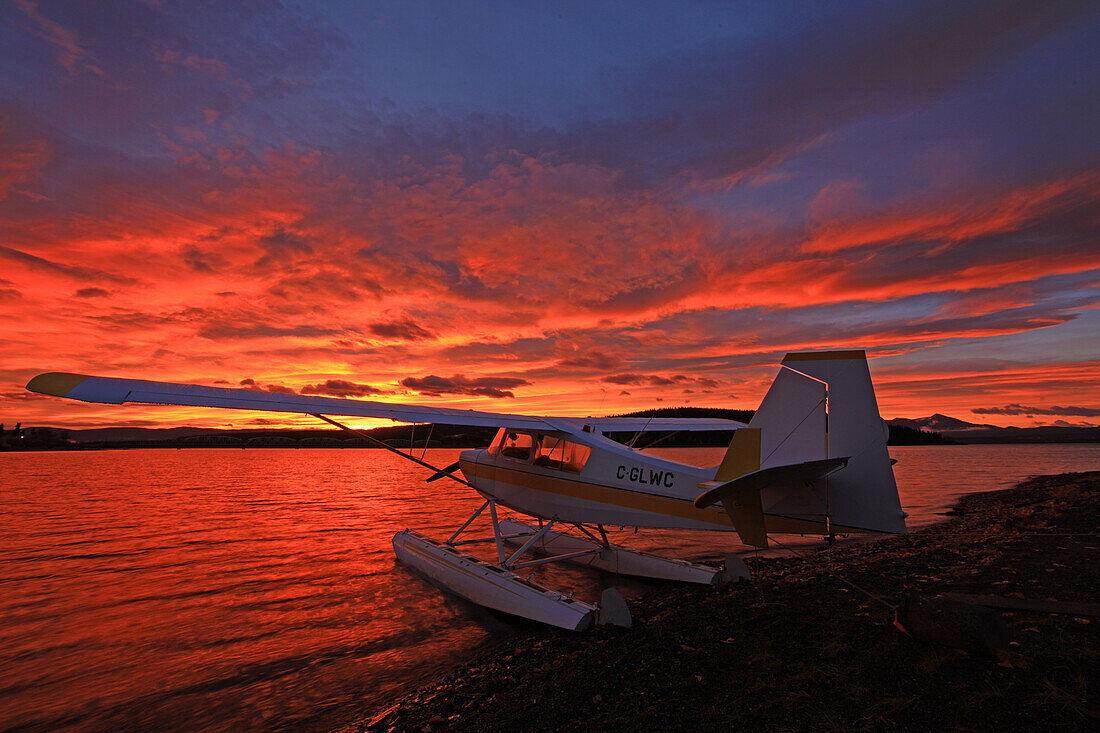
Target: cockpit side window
(517, 445)
(561, 455)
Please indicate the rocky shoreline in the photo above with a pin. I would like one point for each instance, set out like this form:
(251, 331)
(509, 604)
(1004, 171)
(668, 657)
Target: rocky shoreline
(811, 641)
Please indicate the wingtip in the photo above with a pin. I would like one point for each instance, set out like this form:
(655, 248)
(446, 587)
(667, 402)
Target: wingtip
(58, 384)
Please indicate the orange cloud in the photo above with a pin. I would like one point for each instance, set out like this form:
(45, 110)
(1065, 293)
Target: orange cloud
(287, 266)
(953, 222)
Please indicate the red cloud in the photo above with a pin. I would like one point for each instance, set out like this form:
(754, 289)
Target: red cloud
(18, 162)
(72, 56)
(592, 360)
(277, 388)
(403, 330)
(286, 260)
(193, 61)
(342, 388)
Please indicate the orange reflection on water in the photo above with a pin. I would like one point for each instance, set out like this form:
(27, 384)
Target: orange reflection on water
(214, 589)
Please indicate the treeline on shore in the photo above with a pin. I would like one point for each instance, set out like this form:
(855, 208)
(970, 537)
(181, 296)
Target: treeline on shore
(401, 436)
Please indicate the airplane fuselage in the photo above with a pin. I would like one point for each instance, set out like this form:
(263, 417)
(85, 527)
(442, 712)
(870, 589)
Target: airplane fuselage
(605, 483)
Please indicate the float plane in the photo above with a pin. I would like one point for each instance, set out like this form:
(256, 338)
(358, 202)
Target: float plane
(812, 459)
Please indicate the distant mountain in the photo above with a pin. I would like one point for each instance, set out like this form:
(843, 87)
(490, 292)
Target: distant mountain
(938, 423)
(967, 432)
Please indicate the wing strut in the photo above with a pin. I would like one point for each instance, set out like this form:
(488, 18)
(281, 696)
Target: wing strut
(364, 434)
(442, 472)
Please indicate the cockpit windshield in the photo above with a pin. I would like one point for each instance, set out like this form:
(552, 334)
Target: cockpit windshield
(548, 451)
(494, 447)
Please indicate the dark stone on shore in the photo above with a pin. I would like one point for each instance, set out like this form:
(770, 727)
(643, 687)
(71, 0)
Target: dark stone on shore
(944, 622)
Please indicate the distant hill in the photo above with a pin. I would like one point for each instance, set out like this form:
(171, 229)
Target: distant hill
(675, 439)
(711, 412)
(966, 432)
(94, 435)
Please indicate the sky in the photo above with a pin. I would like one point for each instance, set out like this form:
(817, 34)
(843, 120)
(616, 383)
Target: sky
(567, 208)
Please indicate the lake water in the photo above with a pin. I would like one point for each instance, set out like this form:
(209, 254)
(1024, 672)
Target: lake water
(213, 589)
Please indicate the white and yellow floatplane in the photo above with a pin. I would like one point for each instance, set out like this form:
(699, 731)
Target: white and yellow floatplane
(812, 459)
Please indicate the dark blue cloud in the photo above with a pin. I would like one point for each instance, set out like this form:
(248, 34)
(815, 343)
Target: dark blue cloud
(658, 90)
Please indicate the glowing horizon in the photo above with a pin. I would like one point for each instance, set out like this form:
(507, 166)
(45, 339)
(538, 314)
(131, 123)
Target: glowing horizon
(591, 212)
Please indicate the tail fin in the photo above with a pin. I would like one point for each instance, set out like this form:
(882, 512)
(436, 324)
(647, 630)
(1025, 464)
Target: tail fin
(823, 464)
(822, 405)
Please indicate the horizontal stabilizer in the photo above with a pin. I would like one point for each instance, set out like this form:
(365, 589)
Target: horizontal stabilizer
(741, 496)
(769, 478)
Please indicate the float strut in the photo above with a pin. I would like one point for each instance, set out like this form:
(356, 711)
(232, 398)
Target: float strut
(496, 530)
(467, 523)
(534, 538)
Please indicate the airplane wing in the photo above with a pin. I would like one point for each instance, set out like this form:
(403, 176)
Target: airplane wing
(116, 391)
(634, 424)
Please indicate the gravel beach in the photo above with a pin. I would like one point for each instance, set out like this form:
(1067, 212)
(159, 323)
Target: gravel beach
(811, 640)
